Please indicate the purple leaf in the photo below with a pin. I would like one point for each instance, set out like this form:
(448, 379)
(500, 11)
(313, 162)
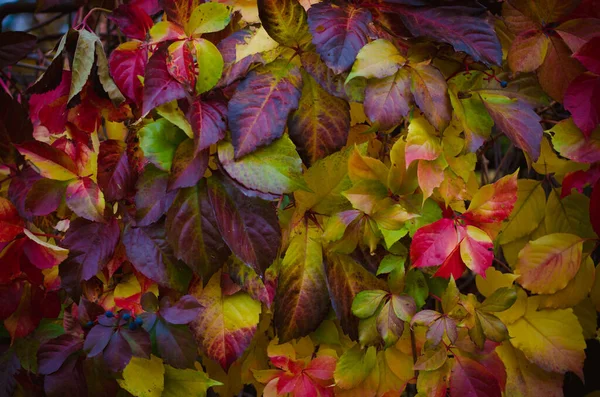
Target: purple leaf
(175, 343)
(14, 46)
(115, 176)
(126, 63)
(192, 231)
(152, 198)
(151, 254)
(88, 311)
(44, 196)
(92, 244)
(52, 354)
(19, 188)
(208, 120)
(159, 86)
(188, 166)
(233, 69)
(138, 340)
(183, 312)
(465, 28)
(331, 82)
(69, 380)
(338, 33)
(97, 339)
(248, 225)
(9, 367)
(388, 100)
(117, 353)
(259, 109)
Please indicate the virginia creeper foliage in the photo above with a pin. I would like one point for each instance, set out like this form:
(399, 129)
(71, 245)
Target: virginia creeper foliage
(304, 198)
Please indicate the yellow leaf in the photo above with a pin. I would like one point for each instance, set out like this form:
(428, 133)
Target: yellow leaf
(144, 378)
(569, 215)
(528, 211)
(550, 163)
(577, 289)
(551, 339)
(187, 382)
(493, 280)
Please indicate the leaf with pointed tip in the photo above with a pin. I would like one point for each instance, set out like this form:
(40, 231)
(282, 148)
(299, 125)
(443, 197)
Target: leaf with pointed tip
(187, 382)
(92, 244)
(301, 302)
(581, 99)
(14, 46)
(285, 21)
(192, 231)
(83, 60)
(354, 366)
(208, 17)
(259, 109)
(159, 86)
(517, 120)
(172, 112)
(569, 141)
(248, 225)
(126, 63)
(465, 28)
(188, 166)
(49, 161)
(85, 199)
(210, 64)
(558, 70)
(338, 33)
(52, 354)
(250, 281)
(345, 279)
(389, 99)
(430, 91)
(226, 323)
(422, 142)
(377, 59)
(494, 202)
(437, 244)
(105, 78)
(208, 120)
(152, 198)
(159, 141)
(470, 377)
(151, 254)
(115, 176)
(233, 68)
(11, 224)
(527, 51)
(321, 123)
(132, 20)
(274, 169)
(180, 63)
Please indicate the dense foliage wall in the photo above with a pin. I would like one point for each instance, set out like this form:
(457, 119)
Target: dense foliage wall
(354, 198)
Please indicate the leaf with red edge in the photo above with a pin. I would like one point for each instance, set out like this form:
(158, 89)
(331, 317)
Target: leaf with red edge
(208, 119)
(44, 196)
(493, 203)
(558, 70)
(133, 21)
(437, 244)
(50, 162)
(33, 306)
(259, 109)
(188, 167)
(248, 225)
(11, 223)
(126, 63)
(91, 244)
(476, 249)
(159, 86)
(152, 199)
(223, 332)
(471, 378)
(14, 46)
(569, 141)
(85, 199)
(465, 28)
(582, 99)
(151, 254)
(517, 120)
(249, 281)
(52, 354)
(388, 100)
(345, 279)
(191, 229)
(180, 63)
(42, 254)
(338, 33)
(115, 176)
(579, 179)
(321, 123)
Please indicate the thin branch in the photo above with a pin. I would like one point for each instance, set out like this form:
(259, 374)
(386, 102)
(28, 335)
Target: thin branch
(47, 22)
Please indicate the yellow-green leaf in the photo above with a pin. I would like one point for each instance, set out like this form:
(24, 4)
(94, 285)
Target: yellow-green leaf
(378, 59)
(144, 378)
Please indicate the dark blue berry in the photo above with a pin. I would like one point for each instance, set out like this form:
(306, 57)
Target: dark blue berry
(139, 321)
(89, 324)
(126, 316)
(504, 83)
(109, 314)
(133, 326)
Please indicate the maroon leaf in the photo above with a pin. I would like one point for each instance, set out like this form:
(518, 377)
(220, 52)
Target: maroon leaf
(388, 100)
(52, 354)
(471, 378)
(248, 225)
(91, 244)
(15, 125)
(14, 46)
(10, 296)
(582, 99)
(320, 125)
(127, 62)
(589, 55)
(188, 166)
(69, 380)
(332, 83)
(44, 197)
(152, 199)
(192, 231)
(175, 343)
(183, 312)
(345, 279)
(19, 187)
(338, 33)
(208, 120)
(115, 176)
(259, 109)
(133, 21)
(159, 86)
(465, 28)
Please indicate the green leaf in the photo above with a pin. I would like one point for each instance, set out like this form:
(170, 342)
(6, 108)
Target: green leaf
(207, 18)
(159, 141)
(365, 303)
(187, 382)
(416, 286)
(285, 21)
(390, 263)
(210, 64)
(500, 300)
(83, 60)
(174, 114)
(354, 366)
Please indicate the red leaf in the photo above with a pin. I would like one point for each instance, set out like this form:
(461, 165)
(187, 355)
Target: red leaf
(208, 120)
(133, 21)
(11, 223)
(115, 176)
(10, 257)
(127, 62)
(180, 63)
(159, 86)
(493, 203)
(582, 99)
(579, 179)
(589, 55)
(28, 315)
(434, 245)
(470, 378)
(338, 33)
